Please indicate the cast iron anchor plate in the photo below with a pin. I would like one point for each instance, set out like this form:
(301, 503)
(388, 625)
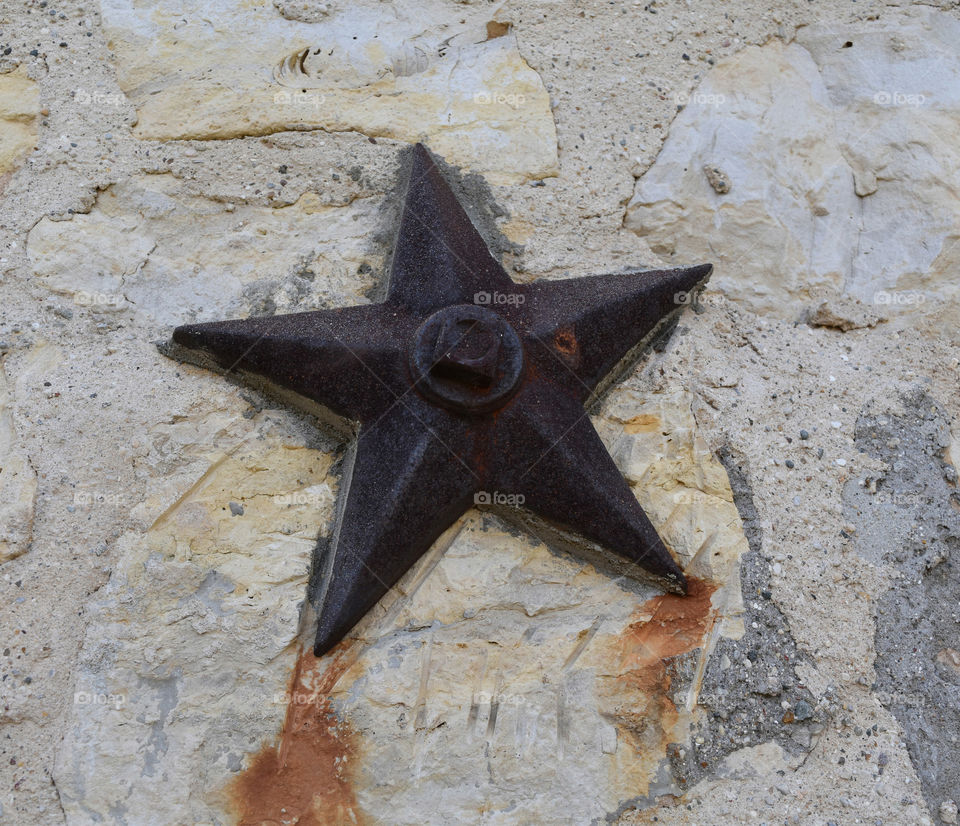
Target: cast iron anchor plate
(469, 390)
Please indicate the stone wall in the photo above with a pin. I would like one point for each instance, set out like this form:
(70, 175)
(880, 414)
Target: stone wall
(795, 441)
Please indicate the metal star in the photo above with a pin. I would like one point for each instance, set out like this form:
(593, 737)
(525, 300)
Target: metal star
(469, 390)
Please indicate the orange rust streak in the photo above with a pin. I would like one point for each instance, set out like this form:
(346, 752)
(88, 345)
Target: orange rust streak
(306, 777)
(678, 624)
(638, 691)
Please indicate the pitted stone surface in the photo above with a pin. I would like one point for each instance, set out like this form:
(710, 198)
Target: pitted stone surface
(907, 517)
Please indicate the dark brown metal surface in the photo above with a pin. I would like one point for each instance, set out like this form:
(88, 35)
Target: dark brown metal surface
(469, 390)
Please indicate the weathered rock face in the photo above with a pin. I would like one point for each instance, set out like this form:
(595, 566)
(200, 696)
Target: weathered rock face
(150, 247)
(493, 651)
(19, 108)
(18, 483)
(836, 155)
(436, 73)
(192, 641)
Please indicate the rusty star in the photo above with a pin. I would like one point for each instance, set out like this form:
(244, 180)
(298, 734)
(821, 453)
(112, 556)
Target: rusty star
(470, 390)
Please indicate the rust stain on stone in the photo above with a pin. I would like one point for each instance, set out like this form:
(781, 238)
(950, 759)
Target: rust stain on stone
(636, 694)
(671, 625)
(305, 779)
